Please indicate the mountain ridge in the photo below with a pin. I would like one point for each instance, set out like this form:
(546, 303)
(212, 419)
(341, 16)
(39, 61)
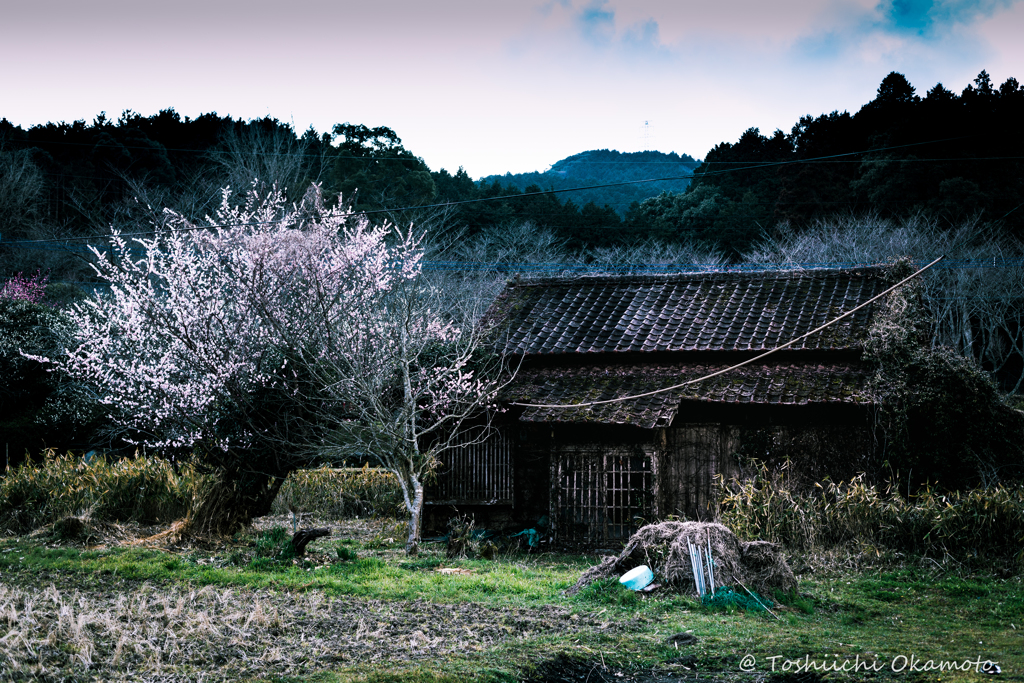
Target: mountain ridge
(668, 172)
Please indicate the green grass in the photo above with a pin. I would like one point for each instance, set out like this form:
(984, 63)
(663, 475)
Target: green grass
(874, 614)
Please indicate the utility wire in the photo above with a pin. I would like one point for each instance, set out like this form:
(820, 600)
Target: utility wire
(514, 196)
(738, 365)
(723, 171)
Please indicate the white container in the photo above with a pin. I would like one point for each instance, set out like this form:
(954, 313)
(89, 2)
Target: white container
(637, 578)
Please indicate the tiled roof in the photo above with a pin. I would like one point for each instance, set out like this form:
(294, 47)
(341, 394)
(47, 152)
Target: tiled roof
(780, 384)
(697, 312)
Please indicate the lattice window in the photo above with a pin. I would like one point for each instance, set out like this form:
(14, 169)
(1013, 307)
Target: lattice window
(600, 497)
(477, 472)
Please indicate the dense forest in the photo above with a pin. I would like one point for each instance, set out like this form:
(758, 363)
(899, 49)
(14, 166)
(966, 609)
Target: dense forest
(62, 181)
(943, 156)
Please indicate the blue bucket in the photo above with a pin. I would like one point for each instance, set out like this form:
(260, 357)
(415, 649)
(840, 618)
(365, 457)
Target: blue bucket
(637, 578)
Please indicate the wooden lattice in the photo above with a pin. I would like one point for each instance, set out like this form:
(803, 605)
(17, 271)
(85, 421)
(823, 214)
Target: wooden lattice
(477, 472)
(600, 497)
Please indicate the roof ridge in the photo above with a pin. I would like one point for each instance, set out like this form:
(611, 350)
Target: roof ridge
(696, 275)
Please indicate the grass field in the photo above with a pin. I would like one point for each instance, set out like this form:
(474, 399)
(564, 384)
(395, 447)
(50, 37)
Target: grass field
(96, 607)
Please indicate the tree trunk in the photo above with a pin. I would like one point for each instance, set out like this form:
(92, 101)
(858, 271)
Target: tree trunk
(412, 546)
(231, 500)
(303, 537)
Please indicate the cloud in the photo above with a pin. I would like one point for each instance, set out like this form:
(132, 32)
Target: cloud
(929, 18)
(644, 38)
(596, 23)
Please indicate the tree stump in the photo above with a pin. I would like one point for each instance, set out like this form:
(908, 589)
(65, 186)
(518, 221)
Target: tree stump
(302, 538)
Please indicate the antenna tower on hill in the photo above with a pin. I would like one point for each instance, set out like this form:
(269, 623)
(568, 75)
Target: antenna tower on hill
(645, 135)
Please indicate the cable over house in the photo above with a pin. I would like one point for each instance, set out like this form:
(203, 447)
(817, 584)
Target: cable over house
(624, 451)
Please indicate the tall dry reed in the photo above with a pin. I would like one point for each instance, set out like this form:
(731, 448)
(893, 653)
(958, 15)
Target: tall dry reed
(982, 522)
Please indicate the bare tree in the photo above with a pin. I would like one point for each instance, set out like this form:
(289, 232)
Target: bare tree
(975, 297)
(646, 255)
(271, 154)
(408, 385)
(513, 243)
(23, 226)
(21, 191)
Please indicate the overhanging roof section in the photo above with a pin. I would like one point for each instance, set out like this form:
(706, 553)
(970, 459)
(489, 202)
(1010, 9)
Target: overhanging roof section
(746, 311)
(764, 384)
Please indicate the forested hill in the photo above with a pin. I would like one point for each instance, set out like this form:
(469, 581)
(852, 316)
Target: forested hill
(602, 167)
(945, 157)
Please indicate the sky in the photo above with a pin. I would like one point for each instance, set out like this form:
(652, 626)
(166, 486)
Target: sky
(497, 86)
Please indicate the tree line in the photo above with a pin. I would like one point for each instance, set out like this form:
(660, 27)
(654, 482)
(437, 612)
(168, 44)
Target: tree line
(943, 156)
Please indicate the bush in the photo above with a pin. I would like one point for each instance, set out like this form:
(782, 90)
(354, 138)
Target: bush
(987, 522)
(341, 493)
(141, 489)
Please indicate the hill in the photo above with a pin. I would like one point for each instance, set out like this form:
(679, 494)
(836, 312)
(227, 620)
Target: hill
(603, 167)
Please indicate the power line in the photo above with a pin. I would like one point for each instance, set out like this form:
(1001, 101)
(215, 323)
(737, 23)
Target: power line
(523, 194)
(737, 365)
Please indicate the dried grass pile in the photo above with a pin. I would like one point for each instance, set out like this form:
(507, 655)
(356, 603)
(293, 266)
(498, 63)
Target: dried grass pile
(664, 547)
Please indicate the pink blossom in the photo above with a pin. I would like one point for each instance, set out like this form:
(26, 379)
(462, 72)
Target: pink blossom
(31, 289)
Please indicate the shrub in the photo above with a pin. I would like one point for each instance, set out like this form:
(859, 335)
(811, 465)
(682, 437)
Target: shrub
(24, 288)
(141, 489)
(987, 522)
(275, 545)
(341, 493)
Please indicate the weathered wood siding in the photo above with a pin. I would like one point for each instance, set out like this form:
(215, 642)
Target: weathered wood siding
(691, 456)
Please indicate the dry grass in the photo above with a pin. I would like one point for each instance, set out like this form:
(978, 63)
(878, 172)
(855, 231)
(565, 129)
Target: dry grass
(140, 489)
(169, 632)
(859, 519)
(340, 493)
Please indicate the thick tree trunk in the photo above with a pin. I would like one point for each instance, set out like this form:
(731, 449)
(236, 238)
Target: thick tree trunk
(231, 500)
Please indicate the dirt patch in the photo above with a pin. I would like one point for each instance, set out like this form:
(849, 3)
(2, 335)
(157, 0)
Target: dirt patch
(664, 547)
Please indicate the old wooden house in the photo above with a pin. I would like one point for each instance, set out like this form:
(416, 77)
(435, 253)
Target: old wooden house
(626, 450)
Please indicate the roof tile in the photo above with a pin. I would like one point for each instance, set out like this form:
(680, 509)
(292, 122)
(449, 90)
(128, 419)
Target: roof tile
(696, 312)
(791, 383)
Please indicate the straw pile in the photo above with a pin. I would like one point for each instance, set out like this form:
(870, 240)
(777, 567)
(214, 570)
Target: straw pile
(665, 548)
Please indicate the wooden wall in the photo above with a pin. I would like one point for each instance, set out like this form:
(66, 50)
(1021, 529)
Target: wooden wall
(601, 492)
(691, 455)
(598, 483)
(478, 471)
